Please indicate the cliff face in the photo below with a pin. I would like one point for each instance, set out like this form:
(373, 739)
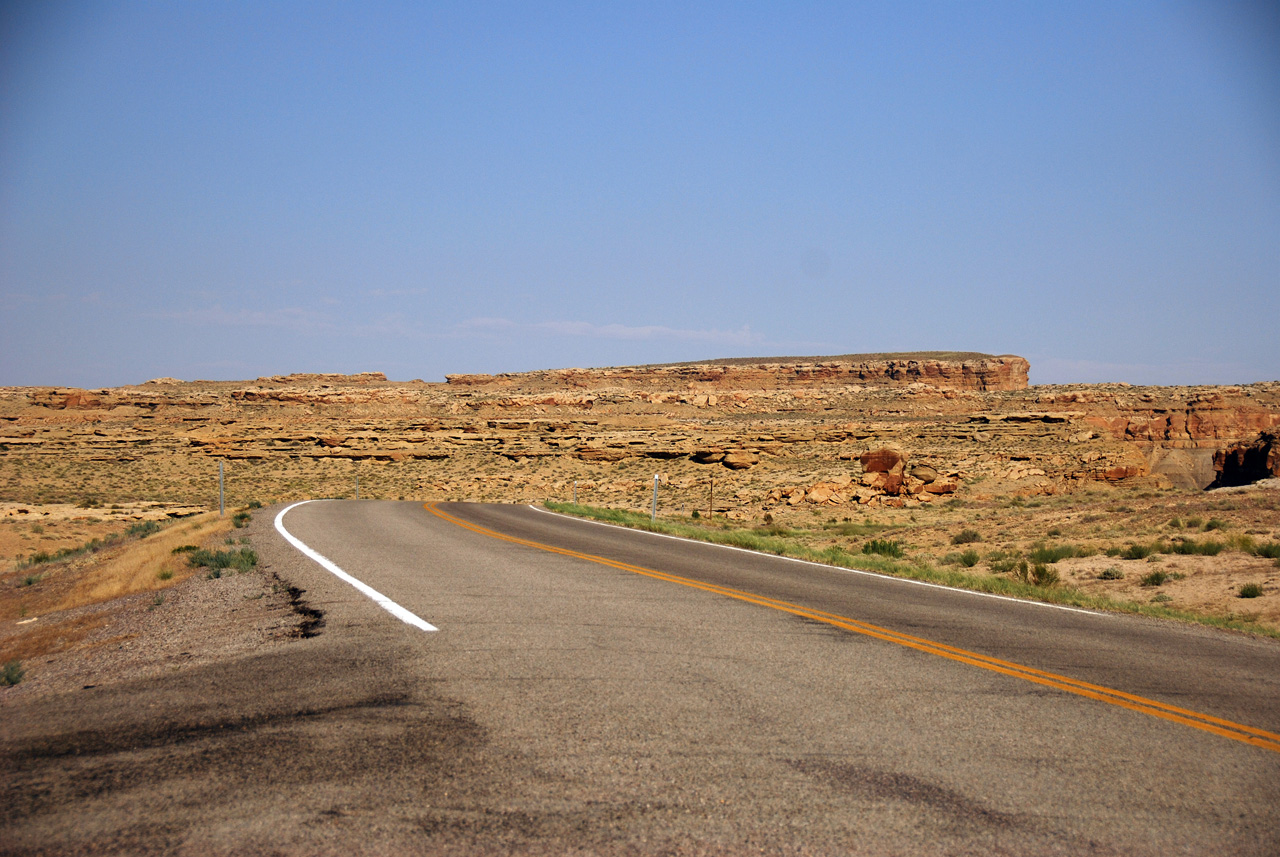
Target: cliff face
(782, 432)
(1007, 372)
(1243, 463)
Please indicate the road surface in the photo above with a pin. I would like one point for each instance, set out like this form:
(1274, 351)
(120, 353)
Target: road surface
(596, 690)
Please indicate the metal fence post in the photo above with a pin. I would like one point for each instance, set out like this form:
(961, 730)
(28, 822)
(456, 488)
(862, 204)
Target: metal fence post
(654, 515)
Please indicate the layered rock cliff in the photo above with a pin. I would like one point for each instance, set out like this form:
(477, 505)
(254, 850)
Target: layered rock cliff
(768, 433)
(982, 372)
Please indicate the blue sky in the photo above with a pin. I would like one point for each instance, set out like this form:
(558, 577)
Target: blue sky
(227, 190)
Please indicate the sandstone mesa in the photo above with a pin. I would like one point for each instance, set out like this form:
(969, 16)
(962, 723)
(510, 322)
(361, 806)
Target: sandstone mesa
(858, 430)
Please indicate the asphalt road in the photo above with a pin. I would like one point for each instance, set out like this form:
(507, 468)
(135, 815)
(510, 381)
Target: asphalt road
(665, 697)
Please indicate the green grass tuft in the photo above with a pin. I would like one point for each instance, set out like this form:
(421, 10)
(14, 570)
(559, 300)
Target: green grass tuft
(1250, 590)
(1271, 550)
(218, 560)
(968, 558)
(11, 673)
(1051, 554)
(884, 547)
(142, 529)
(1154, 578)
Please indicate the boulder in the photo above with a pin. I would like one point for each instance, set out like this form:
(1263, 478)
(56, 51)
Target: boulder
(924, 473)
(740, 459)
(883, 460)
(819, 495)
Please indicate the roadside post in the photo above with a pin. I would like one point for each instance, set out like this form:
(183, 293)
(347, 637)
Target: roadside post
(654, 515)
(575, 492)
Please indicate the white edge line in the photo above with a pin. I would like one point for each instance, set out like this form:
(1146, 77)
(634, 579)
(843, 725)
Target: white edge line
(823, 565)
(381, 600)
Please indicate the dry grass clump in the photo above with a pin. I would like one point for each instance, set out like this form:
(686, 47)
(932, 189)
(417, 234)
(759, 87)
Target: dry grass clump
(143, 565)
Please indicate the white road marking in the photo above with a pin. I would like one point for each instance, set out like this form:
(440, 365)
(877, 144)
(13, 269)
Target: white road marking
(838, 568)
(381, 600)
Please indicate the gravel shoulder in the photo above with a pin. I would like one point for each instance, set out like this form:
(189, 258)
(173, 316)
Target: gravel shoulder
(197, 621)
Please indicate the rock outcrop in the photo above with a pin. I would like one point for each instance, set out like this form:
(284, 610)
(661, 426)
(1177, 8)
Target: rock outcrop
(981, 372)
(766, 433)
(1245, 463)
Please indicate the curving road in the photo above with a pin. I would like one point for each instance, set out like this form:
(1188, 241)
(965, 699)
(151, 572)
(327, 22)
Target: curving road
(599, 690)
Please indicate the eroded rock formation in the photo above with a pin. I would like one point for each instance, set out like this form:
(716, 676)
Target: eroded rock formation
(981, 372)
(766, 433)
(1244, 463)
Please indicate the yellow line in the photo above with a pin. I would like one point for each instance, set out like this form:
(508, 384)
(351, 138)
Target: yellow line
(1186, 717)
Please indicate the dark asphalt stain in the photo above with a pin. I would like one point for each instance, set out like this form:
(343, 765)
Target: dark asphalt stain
(878, 785)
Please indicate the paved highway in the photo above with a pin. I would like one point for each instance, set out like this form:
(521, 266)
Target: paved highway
(597, 690)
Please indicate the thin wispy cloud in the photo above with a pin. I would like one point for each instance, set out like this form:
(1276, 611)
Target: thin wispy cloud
(401, 293)
(620, 332)
(297, 319)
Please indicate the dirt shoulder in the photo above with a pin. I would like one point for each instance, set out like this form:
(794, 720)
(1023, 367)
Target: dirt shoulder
(186, 620)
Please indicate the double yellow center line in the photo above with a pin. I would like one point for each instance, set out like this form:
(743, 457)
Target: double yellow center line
(1194, 719)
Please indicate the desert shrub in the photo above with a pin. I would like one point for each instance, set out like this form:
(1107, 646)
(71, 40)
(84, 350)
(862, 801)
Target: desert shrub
(1160, 597)
(1053, 532)
(1038, 573)
(11, 673)
(1242, 542)
(1175, 524)
(1194, 523)
(91, 546)
(966, 537)
(1154, 578)
(696, 515)
(968, 558)
(1137, 551)
(883, 547)
(1190, 547)
(142, 529)
(1042, 575)
(184, 549)
(1002, 562)
(254, 504)
(164, 574)
(1051, 554)
(1271, 550)
(1250, 590)
(1111, 573)
(1215, 524)
(241, 519)
(218, 560)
